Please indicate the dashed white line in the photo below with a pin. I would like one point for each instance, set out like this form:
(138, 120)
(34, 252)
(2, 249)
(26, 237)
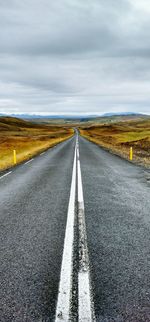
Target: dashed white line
(6, 174)
(85, 309)
(65, 285)
(85, 301)
(28, 161)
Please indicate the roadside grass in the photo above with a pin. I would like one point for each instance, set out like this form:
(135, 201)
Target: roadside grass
(119, 137)
(27, 139)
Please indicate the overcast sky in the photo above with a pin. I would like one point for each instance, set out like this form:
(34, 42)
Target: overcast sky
(74, 56)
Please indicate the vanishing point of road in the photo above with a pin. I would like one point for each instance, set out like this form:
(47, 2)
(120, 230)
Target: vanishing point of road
(75, 237)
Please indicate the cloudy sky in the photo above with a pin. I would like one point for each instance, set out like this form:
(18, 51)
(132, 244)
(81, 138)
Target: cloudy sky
(74, 56)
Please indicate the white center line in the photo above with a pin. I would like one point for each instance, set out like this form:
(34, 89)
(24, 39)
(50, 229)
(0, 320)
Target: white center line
(28, 161)
(6, 174)
(85, 302)
(65, 285)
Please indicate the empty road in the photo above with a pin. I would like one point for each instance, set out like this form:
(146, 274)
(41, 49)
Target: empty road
(75, 237)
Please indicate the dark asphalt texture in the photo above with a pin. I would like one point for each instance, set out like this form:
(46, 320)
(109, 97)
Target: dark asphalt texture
(117, 211)
(33, 211)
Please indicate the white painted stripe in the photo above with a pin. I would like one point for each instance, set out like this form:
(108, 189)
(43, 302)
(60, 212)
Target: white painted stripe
(85, 312)
(6, 174)
(80, 189)
(65, 285)
(42, 153)
(28, 161)
(85, 303)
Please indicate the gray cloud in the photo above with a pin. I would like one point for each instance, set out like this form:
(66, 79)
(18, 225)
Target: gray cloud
(74, 56)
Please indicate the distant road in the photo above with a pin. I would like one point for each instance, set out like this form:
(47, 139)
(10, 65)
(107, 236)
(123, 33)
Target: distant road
(75, 237)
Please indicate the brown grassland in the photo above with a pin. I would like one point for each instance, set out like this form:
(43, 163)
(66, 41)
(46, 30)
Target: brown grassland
(119, 137)
(27, 138)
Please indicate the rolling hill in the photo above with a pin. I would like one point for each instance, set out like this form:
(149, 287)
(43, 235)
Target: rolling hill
(27, 139)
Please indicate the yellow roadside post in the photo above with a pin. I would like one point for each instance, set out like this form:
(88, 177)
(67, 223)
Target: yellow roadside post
(131, 153)
(14, 156)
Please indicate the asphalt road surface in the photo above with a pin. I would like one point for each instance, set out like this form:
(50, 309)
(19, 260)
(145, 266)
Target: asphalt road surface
(76, 217)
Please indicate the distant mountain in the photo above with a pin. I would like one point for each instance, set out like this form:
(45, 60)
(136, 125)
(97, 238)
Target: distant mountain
(122, 114)
(36, 116)
(25, 116)
(68, 117)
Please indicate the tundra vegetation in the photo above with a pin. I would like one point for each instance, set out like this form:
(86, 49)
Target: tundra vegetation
(27, 138)
(120, 136)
